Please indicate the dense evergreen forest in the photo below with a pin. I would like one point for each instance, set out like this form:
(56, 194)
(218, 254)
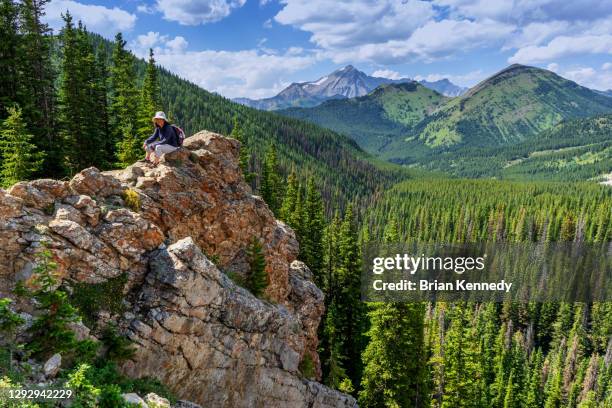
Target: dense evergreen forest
(67, 102)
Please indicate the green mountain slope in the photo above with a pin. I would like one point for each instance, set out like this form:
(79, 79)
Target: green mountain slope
(512, 105)
(378, 119)
(577, 149)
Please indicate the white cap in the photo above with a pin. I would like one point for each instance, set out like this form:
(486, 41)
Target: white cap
(160, 115)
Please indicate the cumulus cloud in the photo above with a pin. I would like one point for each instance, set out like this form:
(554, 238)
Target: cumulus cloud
(386, 73)
(102, 20)
(398, 31)
(196, 12)
(250, 73)
(527, 11)
(348, 23)
(145, 9)
(586, 76)
(255, 73)
(563, 46)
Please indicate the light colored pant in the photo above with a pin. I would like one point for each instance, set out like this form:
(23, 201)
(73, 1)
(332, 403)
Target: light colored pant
(160, 149)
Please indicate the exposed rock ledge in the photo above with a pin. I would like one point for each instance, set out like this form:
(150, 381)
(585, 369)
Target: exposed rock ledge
(208, 339)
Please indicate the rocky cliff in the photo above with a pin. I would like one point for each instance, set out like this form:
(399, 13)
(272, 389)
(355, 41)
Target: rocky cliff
(160, 228)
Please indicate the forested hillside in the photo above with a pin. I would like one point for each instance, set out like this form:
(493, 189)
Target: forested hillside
(494, 354)
(378, 119)
(578, 149)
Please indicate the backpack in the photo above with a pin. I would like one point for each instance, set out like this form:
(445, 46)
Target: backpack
(180, 134)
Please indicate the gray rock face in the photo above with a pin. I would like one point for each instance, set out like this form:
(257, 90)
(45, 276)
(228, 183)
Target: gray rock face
(197, 329)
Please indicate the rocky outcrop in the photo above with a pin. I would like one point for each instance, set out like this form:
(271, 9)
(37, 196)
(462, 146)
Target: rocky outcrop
(209, 340)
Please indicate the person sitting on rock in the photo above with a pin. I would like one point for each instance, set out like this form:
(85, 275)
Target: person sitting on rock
(164, 140)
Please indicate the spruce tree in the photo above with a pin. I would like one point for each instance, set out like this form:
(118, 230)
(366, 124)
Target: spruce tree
(395, 373)
(271, 186)
(257, 279)
(351, 316)
(291, 197)
(20, 158)
(81, 108)
(9, 61)
(36, 93)
(311, 247)
(244, 155)
(149, 102)
(124, 97)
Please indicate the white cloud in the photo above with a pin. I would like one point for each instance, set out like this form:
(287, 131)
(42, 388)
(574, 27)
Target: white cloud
(563, 46)
(347, 23)
(389, 31)
(196, 12)
(145, 9)
(586, 76)
(177, 45)
(99, 19)
(249, 73)
(527, 11)
(387, 73)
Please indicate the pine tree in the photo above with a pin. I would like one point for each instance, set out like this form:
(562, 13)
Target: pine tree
(20, 158)
(311, 246)
(394, 373)
(9, 62)
(290, 199)
(81, 109)
(244, 155)
(36, 82)
(149, 102)
(460, 364)
(124, 97)
(271, 187)
(257, 279)
(351, 315)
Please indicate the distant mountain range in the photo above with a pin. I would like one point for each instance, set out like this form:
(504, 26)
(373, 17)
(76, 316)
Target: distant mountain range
(410, 124)
(344, 83)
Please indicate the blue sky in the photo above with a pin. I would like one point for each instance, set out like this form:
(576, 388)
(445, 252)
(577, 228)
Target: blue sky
(255, 48)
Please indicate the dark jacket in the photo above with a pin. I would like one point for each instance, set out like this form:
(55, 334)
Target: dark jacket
(165, 135)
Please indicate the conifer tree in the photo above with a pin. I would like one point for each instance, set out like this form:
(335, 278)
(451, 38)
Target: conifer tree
(271, 186)
(244, 155)
(394, 372)
(20, 158)
(9, 62)
(460, 366)
(81, 109)
(124, 98)
(311, 246)
(149, 102)
(257, 279)
(351, 311)
(291, 197)
(36, 92)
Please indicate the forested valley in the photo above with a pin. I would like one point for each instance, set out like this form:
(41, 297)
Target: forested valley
(75, 100)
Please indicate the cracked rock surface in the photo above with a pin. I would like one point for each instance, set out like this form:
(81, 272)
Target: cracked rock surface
(209, 340)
